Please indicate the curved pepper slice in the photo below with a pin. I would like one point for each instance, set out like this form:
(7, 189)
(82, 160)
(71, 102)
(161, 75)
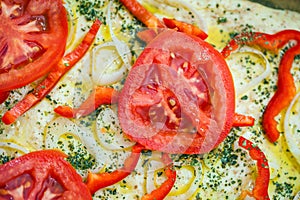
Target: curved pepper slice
(164, 189)
(185, 28)
(286, 89)
(101, 180)
(101, 95)
(260, 190)
(151, 21)
(142, 14)
(242, 120)
(53, 77)
(267, 41)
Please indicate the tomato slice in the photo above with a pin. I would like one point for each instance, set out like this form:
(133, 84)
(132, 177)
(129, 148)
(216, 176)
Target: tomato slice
(42, 174)
(33, 35)
(178, 97)
(4, 96)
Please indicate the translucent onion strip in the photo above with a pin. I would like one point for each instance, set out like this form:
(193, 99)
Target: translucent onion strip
(109, 131)
(154, 171)
(200, 22)
(292, 127)
(297, 197)
(5, 146)
(187, 180)
(62, 126)
(255, 81)
(107, 67)
(121, 46)
(73, 25)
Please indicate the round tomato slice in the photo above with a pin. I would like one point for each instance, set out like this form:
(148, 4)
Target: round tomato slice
(33, 34)
(42, 174)
(178, 97)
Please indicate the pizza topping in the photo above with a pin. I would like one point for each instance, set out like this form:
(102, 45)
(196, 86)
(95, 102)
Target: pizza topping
(260, 190)
(161, 192)
(185, 27)
(286, 89)
(53, 77)
(152, 108)
(101, 95)
(41, 174)
(101, 180)
(33, 36)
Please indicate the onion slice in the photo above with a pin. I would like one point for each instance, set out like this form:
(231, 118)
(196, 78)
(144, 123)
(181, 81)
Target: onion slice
(292, 127)
(112, 59)
(107, 67)
(255, 81)
(121, 46)
(187, 181)
(109, 131)
(13, 146)
(200, 22)
(61, 126)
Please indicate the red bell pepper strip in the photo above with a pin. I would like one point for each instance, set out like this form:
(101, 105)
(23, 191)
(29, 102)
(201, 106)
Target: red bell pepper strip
(53, 77)
(286, 89)
(242, 120)
(267, 41)
(101, 180)
(161, 192)
(260, 190)
(185, 27)
(4, 96)
(151, 21)
(142, 14)
(101, 95)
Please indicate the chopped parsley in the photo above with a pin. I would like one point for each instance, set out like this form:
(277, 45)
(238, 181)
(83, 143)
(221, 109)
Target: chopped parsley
(221, 20)
(91, 9)
(81, 159)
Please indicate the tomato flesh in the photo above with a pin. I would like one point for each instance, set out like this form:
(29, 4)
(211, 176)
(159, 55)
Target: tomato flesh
(41, 175)
(178, 97)
(33, 35)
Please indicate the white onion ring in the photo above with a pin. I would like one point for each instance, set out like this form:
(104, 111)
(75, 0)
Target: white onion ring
(73, 25)
(122, 48)
(190, 175)
(153, 165)
(255, 81)
(297, 197)
(193, 176)
(100, 66)
(99, 69)
(60, 126)
(200, 22)
(111, 139)
(15, 146)
(292, 139)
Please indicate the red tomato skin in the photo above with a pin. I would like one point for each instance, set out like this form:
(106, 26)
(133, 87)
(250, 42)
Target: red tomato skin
(41, 165)
(53, 42)
(218, 77)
